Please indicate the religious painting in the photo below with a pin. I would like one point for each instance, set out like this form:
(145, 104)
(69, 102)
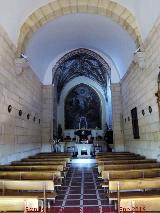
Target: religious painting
(82, 104)
(135, 125)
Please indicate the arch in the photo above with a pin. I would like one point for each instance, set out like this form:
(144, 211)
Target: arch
(115, 76)
(76, 81)
(81, 62)
(58, 8)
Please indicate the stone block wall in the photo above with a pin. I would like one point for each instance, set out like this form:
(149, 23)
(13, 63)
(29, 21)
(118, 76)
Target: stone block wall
(19, 137)
(117, 118)
(47, 117)
(138, 90)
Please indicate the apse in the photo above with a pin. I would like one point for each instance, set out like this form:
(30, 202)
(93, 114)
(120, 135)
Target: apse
(81, 79)
(82, 102)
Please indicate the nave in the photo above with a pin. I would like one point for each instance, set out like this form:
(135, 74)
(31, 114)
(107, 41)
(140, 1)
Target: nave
(55, 182)
(82, 191)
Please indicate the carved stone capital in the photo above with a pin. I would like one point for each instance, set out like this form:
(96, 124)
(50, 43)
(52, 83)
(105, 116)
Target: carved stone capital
(21, 65)
(139, 58)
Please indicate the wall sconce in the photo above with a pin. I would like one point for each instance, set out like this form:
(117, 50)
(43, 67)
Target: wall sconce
(139, 58)
(157, 94)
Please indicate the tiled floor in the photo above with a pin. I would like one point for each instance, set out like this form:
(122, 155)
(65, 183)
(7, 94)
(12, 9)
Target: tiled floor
(81, 191)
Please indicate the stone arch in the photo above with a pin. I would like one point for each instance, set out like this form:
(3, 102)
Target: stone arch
(58, 8)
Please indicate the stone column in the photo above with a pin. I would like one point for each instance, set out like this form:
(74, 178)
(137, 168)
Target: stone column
(117, 117)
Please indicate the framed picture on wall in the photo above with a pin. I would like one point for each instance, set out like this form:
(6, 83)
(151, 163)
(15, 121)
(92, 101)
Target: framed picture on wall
(135, 125)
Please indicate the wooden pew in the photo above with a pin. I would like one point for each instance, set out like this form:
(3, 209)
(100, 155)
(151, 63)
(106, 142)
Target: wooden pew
(17, 163)
(67, 160)
(131, 166)
(52, 158)
(128, 174)
(18, 203)
(102, 164)
(32, 168)
(55, 153)
(121, 158)
(122, 189)
(113, 153)
(140, 204)
(43, 189)
(27, 175)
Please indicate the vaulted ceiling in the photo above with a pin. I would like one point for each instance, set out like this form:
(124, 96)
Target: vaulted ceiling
(46, 40)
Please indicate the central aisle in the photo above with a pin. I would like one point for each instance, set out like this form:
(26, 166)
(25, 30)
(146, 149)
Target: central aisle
(81, 191)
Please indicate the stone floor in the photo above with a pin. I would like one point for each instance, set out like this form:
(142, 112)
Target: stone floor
(81, 191)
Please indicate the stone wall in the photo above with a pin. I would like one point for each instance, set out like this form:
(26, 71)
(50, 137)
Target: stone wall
(19, 137)
(138, 89)
(47, 117)
(117, 118)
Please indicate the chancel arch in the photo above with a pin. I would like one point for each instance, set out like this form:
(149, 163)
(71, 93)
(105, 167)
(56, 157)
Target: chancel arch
(81, 62)
(58, 8)
(83, 67)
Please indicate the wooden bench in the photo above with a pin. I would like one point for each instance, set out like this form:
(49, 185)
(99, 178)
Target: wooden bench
(101, 164)
(131, 173)
(131, 166)
(18, 203)
(33, 175)
(115, 154)
(43, 189)
(121, 158)
(140, 204)
(52, 158)
(54, 153)
(129, 188)
(32, 168)
(128, 174)
(17, 163)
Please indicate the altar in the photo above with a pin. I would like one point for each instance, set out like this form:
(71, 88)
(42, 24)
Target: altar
(84, 147)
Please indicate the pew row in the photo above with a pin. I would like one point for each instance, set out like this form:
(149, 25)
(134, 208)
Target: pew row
(140, 204)
(137, 188)
(27, 175)
(131, 166)
(19, 163)
(32, 168)
(102, 164)
(43, 189)
(18, 203)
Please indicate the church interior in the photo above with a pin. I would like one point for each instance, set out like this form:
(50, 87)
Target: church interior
(79, 106)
